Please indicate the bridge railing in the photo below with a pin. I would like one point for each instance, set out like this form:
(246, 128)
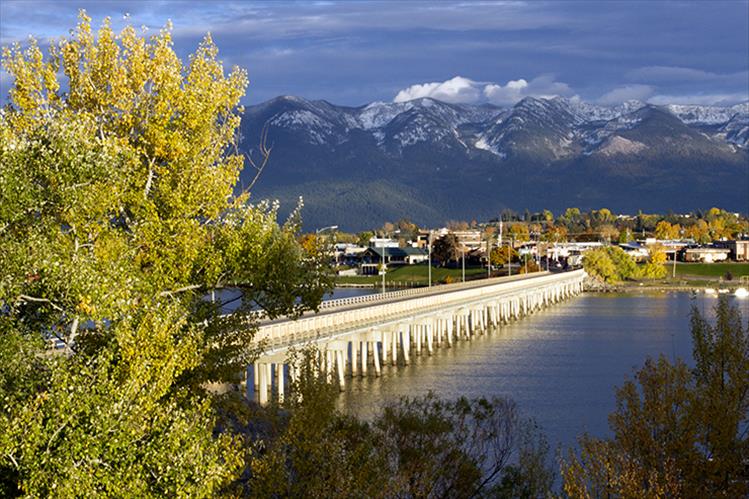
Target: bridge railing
(404, 293)
(289, 332)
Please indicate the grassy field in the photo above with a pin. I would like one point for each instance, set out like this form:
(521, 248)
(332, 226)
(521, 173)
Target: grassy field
(413, 275)
(710, 269)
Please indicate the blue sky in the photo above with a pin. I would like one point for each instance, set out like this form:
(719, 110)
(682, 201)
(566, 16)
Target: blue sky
(466, 51)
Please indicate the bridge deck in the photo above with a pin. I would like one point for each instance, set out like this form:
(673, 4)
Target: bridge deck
(358, 302)
(349, 315)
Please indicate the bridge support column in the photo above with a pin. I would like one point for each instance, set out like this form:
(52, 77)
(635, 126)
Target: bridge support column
(430, 337)
(376, 358)
(280, 389)
(341, 364)
(449, 333)
(364, 351)
(406, 345)
(416, 328)
(354, 354)
(394, 344)
(385, 346)
(262, 394)
(329, 365)
(293, 376)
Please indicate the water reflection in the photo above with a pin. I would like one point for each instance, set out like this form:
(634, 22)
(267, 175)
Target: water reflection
(561, 365)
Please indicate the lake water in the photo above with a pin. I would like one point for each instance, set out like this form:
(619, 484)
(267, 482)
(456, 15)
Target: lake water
(560, 365)
(350, 292)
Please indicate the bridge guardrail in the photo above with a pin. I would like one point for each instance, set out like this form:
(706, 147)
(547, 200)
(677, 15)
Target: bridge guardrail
(311, 327)
(403, 293)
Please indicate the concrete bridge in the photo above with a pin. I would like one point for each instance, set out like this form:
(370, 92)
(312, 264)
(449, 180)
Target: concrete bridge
(357, 336)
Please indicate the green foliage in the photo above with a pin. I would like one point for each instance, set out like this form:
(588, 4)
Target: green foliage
(461, 449)
(519, 232)
(314, 450)
(364, 237)
(528, 265)
(446, 249)
(416, 447)
(677, 432)
(555, 234)
(610, 264)
(117, 220)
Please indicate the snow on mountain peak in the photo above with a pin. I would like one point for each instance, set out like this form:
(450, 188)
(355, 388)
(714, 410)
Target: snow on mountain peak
(559, 120)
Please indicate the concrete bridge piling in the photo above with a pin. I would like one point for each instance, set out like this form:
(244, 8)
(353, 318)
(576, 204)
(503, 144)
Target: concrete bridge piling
(360, 336)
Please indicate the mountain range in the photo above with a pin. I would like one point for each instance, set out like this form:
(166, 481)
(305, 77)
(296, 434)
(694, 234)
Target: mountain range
(431, 161)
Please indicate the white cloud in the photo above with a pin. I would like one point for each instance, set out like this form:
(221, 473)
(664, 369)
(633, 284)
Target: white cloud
(627, 92)
(682, 74)
(701, 99)
(456, 90)
(515, 90)
(465, 91)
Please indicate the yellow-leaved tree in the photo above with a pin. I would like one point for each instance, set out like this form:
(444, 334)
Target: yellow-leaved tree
(655, 266)
(119, 230)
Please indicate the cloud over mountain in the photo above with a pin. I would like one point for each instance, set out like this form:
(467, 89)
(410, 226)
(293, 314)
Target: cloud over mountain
(461, 90)
(457, 90)
(627, 92)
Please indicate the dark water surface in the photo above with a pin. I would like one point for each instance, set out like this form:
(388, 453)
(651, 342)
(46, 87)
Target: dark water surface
(560, 365)
(350, 292)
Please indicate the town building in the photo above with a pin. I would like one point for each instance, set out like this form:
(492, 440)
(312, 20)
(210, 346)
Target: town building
(705, 255)
(373, 258)
(737, 250)
(383, 242)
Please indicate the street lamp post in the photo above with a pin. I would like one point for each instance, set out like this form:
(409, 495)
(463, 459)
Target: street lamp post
(429, 263)
(320, 231)
(330, 227)
(509, 260)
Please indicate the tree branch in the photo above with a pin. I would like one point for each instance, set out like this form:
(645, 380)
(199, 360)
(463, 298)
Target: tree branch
(264, 157)
(34, 299)
(180, 290)
(150, 178)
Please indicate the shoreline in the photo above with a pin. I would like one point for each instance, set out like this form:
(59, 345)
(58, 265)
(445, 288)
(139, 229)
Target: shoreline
(715, 287)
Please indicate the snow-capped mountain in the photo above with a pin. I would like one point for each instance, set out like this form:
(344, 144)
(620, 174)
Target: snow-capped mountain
(432, 157)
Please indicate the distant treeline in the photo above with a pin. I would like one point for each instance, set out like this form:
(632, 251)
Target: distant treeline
(576, 225)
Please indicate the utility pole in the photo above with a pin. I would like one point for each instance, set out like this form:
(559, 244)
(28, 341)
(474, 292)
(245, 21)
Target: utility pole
(429, 244)
(509, 259)
(463, 257)
(488, 255)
